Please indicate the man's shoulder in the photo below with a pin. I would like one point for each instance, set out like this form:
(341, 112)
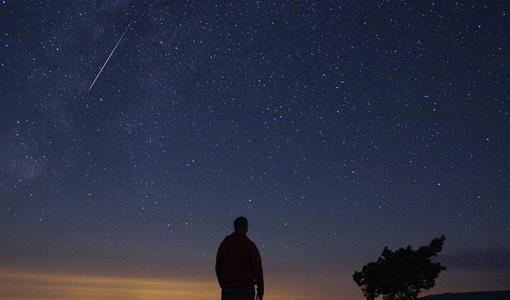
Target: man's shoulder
(225, 240)
(251, 243)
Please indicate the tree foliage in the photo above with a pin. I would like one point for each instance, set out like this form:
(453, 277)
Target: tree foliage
(401, 274)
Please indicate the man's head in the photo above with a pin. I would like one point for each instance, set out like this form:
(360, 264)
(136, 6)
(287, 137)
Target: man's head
(241, 225)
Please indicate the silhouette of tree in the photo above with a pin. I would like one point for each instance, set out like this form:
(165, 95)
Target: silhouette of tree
(401, 274)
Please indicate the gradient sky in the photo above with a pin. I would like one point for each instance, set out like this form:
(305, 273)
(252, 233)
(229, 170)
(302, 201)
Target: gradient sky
(336, 127)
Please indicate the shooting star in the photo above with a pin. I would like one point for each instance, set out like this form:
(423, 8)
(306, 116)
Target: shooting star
(111, 53)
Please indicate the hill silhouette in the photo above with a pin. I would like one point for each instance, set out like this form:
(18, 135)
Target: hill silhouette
(490, 295)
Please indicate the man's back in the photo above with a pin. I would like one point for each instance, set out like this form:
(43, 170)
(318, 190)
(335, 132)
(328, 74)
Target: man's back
(238, 262)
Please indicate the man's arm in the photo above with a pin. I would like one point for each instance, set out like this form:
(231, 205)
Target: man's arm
(256, 263)
(219, 263)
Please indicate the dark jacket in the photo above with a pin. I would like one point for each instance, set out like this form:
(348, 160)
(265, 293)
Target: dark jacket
(238, 263)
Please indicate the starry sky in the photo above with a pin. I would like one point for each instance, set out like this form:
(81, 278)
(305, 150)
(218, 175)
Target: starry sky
(336, 127)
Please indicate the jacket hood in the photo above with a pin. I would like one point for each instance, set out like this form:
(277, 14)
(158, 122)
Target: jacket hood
(236, 238)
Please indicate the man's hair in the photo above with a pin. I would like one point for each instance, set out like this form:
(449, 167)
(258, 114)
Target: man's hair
(241, 224)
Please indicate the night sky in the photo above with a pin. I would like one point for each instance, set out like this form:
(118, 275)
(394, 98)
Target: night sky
(335, 127)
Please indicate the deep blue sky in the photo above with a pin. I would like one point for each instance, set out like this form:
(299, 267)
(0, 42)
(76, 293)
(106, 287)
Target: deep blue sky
(336, 127)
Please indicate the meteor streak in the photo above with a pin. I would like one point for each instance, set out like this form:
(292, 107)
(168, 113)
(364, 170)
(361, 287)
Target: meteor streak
(111, 53)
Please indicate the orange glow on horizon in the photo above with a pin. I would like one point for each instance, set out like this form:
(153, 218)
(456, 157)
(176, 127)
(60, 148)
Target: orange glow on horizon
(17, 285)
(25, 285)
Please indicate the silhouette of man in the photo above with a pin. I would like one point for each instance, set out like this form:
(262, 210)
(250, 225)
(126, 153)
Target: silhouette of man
(238, 265)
